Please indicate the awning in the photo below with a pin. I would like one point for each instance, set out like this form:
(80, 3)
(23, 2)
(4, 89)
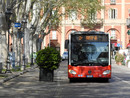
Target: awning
(128, 45)
(117, 45)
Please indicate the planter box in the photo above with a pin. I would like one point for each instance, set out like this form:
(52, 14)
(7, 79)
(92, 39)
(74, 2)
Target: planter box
(119, 63)
(46, 75)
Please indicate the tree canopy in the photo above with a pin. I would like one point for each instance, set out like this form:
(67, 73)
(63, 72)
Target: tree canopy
(45, 14)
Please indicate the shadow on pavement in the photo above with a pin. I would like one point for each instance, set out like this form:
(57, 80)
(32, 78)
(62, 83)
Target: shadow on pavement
(90, 80)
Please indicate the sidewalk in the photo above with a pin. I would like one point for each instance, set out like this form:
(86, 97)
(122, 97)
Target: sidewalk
(120, 66)
(8, 76)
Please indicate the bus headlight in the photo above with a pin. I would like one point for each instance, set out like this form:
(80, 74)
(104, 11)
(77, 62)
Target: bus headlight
(106, 72)
(72, 72)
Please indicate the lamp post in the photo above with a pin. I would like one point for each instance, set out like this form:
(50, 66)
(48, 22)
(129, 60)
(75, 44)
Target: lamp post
(0, 43)
(0, 50)
(32, 28)
(24, 22)
(8, 13)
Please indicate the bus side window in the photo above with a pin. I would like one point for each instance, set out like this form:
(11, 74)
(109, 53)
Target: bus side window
(66, 44)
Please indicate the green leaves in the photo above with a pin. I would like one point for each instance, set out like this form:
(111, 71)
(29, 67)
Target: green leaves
(48, 58)
(119, 57)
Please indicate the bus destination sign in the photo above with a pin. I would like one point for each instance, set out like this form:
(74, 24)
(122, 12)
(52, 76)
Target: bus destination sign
(82, 38)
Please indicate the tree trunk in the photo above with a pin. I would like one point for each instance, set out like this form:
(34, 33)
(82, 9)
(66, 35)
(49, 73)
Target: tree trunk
(27, 46)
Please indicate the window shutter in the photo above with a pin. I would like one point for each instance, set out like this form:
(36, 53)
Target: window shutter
(109, 13)
(116, 14)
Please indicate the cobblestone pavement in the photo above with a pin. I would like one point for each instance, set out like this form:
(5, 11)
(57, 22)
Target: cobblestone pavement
(28, 85)
(8, 76)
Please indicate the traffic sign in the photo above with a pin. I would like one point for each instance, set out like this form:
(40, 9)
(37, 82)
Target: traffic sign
(17, 25)
(118, 45)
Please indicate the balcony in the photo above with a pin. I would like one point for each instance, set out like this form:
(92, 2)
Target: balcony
(128, 22)
(96, 23)
(113, 3)
(113, 37)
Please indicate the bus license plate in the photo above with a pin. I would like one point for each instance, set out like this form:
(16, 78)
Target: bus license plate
(89, 76)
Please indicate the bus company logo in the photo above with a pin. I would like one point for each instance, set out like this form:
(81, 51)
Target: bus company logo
(89, 71)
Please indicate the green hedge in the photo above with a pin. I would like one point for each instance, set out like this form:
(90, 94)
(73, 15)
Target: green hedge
(48, 58)
(119, 57)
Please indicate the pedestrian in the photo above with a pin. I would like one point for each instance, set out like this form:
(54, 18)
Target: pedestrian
(124, 54)
(10, 58)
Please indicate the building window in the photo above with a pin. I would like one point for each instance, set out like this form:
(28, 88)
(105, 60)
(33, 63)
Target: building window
(128, 19)
(112, 14)
(113, 34)
(113, 1)
(73, 15)
(93, 16)
(54, 35)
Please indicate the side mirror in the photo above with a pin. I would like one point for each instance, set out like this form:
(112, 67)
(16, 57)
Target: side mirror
(66, 44)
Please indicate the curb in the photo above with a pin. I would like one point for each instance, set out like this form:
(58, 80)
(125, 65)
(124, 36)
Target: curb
(17, 74)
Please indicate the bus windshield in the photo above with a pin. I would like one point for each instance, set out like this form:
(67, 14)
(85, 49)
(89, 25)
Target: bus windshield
(90, 54)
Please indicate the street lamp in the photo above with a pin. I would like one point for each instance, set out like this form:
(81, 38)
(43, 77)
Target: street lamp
(8, 13)
(0, 43)
(0, 50)
(24, 22)
(32, 29)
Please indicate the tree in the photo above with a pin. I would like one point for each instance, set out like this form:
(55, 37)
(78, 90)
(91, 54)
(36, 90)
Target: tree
(88, 10)
(46, 15)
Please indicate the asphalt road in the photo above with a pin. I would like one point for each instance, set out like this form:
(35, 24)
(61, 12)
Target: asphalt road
(29, 86)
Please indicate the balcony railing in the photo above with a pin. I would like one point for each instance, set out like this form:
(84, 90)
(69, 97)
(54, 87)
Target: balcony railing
(113, 3)
(113, 37)
(94, 23)
(128, 22)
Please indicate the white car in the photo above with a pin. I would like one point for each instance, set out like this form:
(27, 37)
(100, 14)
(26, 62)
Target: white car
(65, 55)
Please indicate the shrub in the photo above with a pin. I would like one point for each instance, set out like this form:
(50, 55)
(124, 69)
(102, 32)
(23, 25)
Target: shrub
(128, 61)
(119, 57)
(48, 58)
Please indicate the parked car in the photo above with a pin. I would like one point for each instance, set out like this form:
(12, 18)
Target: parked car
(65, 55)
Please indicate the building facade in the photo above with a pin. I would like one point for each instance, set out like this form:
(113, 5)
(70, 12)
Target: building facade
(116, 22)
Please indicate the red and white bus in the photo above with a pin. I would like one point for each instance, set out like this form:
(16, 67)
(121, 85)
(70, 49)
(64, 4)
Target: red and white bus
(89, 55)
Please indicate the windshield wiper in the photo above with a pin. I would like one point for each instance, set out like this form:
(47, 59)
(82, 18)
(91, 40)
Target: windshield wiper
(103, 64)
(78, 63)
